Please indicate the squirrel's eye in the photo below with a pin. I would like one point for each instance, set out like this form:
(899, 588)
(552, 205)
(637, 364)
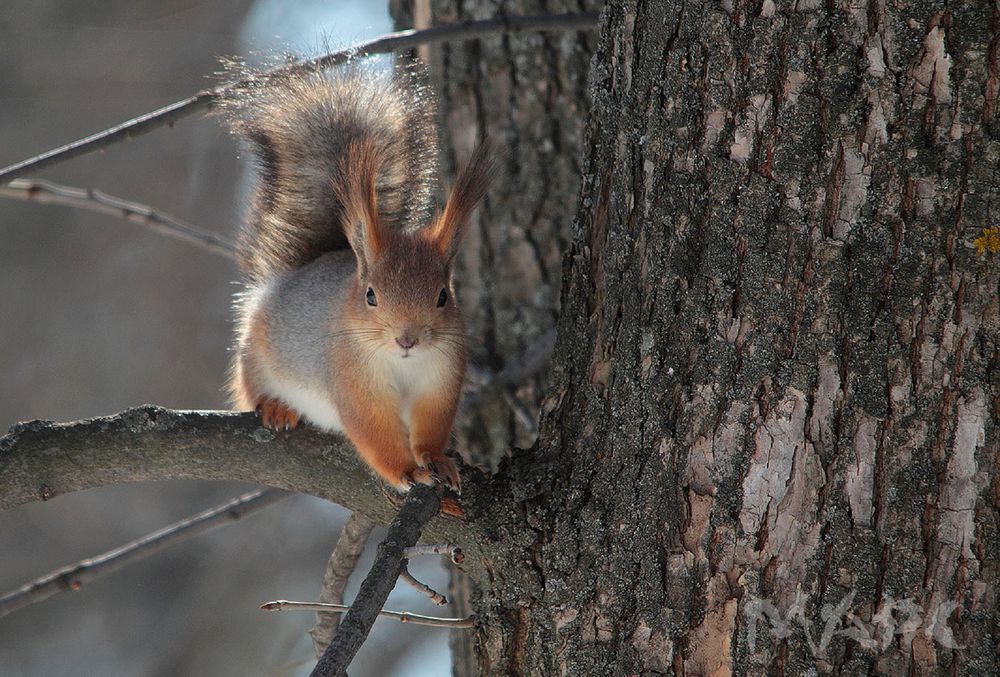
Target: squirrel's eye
(370, 297)
(442, 298)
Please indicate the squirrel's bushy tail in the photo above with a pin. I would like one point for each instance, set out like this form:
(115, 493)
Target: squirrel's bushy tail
(300, 127)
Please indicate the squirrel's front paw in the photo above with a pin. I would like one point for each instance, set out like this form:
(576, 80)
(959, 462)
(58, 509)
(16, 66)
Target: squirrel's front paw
(419, 476)
(449, 506)
(442, 469)
(276, 415)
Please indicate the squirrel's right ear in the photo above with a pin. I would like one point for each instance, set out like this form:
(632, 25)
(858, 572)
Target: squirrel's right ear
(356, 190)
(446, 233)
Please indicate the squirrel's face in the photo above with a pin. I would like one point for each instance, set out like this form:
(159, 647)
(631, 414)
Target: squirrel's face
(404, 303)
(406, 300)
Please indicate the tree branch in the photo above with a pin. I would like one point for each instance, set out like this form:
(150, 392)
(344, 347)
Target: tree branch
(74, 576)
(454, 553)
(422, 503)
(40, 460)
(343, 560)
(421, 587)
(401, 616)
(47, 192)
(205, 99)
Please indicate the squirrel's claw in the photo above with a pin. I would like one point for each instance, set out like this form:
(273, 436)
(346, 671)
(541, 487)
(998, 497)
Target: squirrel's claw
(275, 415)
(447, 472)
(420, 476)
(449, 506)
(438, 470)
(443, 469)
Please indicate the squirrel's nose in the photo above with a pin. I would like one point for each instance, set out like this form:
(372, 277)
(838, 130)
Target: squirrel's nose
(406, 341)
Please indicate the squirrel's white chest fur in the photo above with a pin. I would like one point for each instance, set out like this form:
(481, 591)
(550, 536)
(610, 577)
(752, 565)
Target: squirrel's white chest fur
(311, 402)
(410, 377)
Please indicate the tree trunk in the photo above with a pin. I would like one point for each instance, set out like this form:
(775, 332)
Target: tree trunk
(768, 443)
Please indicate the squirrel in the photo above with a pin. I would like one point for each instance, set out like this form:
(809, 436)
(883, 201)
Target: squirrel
(349, 318)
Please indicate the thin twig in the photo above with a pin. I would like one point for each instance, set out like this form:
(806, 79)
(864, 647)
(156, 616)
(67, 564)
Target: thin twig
(204, 100)
(401, 616)
(422, 503)
(422, 588)
(453, 551)
(75, 576)
(343, 560)
(47, 192)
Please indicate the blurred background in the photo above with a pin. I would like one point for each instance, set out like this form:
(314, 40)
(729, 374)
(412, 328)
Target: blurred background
(97, 315)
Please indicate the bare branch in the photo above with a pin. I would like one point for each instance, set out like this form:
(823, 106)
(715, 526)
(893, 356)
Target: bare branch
(75, 576)
(40, 460)
(47, 192)
(453, 551)
(343, 560)
(121, 132)
(171, 113)
(401, 616)
(422, 503)
(422, 588)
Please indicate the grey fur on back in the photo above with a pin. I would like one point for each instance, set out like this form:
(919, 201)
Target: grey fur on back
(303, 306)
(298, 127)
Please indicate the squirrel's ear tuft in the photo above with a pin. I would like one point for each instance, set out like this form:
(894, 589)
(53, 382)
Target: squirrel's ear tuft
(447, 231)
(356, 189)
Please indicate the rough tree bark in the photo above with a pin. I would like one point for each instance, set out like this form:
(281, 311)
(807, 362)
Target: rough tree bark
(768, 445)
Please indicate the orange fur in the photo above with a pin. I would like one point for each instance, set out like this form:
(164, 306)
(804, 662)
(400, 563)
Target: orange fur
(450, 506)
(276, 415)
(355, 188)
(430, 429)
(246, 386)
(371, 420)
(447, 230)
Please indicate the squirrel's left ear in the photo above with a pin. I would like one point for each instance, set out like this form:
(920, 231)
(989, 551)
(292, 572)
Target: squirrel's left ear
(356, 190)
(446, 233)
